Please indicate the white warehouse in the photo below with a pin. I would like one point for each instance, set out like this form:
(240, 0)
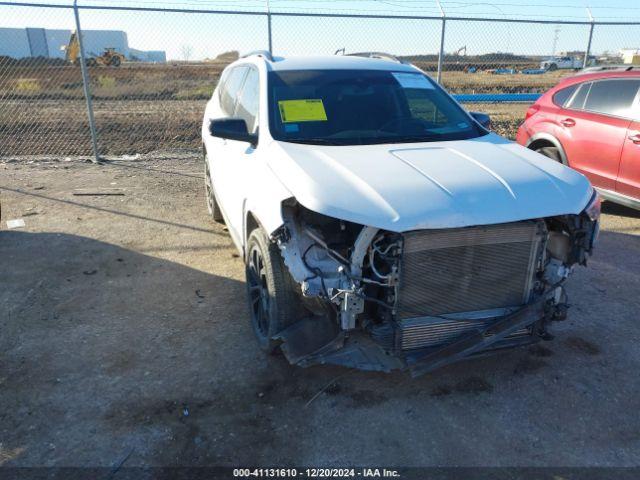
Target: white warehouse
(41, 42)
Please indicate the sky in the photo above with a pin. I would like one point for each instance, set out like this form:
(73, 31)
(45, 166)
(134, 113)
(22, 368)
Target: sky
(200, 35)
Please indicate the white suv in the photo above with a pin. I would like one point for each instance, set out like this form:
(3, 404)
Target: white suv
(382, 225)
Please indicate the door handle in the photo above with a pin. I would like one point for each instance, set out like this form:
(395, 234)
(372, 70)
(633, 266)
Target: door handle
(635, 138)
(568, 122)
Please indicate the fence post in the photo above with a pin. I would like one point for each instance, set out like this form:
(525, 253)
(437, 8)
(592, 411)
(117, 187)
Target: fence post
(85, 84)
(441, 52)
(269, 28)
(588, 51)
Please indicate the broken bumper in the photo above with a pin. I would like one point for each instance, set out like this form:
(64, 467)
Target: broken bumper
(359, 351)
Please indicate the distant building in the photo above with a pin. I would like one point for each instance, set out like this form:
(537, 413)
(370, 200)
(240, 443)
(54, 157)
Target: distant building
(630, 56)
(41, 42)
(14, 42)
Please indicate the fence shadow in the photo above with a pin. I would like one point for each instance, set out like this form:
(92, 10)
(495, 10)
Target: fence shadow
(109, 210)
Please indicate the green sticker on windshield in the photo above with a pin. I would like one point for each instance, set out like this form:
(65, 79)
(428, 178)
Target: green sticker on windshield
(309, 110)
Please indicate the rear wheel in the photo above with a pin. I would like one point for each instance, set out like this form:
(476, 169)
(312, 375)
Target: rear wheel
(210, 197)
(551, 152)
(115, 61)
(274, 303)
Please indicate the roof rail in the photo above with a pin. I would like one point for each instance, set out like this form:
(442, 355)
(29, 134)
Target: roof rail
(259, 53)
(380, 55)
(605, 68)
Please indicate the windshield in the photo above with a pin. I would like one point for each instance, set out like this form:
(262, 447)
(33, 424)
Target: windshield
(359, 107)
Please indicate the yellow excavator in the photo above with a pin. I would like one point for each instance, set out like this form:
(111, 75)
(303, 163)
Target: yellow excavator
(109, 58)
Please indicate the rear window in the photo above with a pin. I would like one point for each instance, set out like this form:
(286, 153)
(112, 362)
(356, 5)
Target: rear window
(562, 96)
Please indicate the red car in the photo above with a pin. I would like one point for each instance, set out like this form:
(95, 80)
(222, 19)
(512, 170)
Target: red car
(591, 122)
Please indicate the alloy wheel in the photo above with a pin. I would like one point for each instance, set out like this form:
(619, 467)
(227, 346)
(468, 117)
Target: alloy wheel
(258, 291)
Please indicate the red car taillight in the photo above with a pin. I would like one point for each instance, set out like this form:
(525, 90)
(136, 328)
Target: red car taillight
(531, 111)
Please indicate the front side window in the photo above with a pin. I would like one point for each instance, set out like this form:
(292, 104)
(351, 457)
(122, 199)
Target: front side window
(612, 97)
(231, 88)
(248, 103)
(358, 107)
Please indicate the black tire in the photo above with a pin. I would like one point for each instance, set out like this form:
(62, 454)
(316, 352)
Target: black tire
(551, 152)
(209, 195)
(272, 295)
(92, 62)
(115, 61)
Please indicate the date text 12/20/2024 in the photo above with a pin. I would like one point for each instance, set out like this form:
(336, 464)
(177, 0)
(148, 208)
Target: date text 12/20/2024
(315, 473)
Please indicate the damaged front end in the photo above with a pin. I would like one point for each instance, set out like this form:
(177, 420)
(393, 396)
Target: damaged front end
(381, 300)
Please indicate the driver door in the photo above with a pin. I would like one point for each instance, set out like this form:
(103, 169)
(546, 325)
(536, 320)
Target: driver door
(239, 162)
(222, 153)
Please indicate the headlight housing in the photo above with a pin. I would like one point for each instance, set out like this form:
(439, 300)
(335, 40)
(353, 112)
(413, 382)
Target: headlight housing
(593, 208)
(592, 211)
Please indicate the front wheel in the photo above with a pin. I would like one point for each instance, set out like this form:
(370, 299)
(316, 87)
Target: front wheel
(210, 197)
(551, 152)
(273, 299)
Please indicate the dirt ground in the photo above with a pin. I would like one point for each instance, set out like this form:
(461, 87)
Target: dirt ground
(126, 341)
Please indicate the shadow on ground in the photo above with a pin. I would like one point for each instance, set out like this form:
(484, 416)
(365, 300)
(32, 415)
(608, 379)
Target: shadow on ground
(618, 210)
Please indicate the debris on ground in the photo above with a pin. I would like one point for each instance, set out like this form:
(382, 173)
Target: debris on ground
(17, 223)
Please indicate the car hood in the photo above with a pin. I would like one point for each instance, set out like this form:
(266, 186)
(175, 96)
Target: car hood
(401, 187)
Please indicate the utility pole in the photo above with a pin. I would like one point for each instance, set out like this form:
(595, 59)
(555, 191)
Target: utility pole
(556, 35)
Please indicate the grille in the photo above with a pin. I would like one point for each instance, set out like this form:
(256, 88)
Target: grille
(467, 269)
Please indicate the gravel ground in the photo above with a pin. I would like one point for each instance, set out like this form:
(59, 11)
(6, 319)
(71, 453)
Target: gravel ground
(125, 339)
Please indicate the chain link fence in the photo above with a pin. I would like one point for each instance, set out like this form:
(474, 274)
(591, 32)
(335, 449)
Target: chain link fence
(151, 97)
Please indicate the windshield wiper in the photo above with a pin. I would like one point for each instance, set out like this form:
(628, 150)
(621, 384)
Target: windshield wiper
(365, 140)
(416, 138)
(313, 141)
(402, 139)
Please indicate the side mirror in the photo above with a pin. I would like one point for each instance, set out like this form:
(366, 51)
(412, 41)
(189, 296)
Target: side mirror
(482, 118)
(232, 129)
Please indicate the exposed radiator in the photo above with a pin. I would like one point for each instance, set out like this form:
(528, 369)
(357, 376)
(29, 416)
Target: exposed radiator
(424, 332)
(468, 269)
